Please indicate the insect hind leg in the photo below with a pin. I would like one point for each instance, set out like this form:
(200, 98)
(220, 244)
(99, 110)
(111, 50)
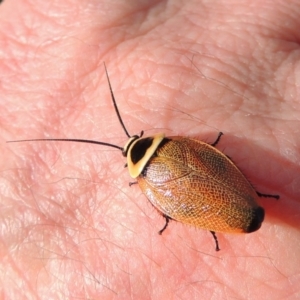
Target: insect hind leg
(216, 240)
(267, 195)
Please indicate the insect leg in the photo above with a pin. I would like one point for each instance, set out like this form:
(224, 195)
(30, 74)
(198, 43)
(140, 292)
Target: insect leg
(267, 195)
(216, 240)
(217, 140)
(167, 218)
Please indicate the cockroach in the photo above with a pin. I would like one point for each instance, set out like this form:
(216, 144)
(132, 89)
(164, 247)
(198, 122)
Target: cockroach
(188, 180)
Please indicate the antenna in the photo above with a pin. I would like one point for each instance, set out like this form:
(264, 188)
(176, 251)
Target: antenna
(70, 140)
(84, 140)
(115, 104)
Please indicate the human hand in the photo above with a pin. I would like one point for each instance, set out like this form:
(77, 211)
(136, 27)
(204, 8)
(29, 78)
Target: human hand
(71, 225)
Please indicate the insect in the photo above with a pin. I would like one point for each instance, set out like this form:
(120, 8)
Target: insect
(188, 180)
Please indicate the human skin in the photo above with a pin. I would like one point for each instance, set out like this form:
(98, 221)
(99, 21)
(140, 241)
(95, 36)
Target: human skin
(71, 227)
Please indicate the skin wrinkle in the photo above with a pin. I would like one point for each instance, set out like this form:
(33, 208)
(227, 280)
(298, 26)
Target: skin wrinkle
(113, 251)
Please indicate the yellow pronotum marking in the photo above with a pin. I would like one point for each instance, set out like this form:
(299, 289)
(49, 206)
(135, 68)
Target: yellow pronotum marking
(136, 169)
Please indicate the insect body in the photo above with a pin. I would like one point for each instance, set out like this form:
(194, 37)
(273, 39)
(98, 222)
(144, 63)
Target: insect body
(194, 183)
(189, 181)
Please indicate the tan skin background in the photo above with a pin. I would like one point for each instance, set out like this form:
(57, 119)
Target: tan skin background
(71, 227)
